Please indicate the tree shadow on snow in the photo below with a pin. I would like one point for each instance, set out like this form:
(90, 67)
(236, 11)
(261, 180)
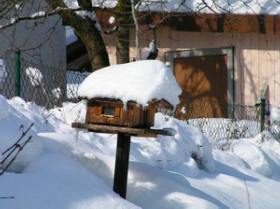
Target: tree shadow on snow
(222, 168)
(150, 187)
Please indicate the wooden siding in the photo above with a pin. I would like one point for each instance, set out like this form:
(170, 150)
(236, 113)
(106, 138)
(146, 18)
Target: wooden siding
(256, 57)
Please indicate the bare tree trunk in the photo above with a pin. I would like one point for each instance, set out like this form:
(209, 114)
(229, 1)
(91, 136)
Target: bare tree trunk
(123, 15)
(87, 30)
(137, 32)
(95, 45)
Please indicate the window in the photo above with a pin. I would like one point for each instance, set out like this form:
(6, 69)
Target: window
(108, 111)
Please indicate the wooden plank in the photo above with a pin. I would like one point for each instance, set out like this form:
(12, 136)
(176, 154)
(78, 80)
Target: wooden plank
(127, 130)
(121, 164)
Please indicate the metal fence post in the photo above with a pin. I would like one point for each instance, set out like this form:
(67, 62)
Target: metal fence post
(262, 114)
(18, 67)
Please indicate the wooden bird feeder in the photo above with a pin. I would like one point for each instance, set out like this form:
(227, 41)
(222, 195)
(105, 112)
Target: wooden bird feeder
(110, 115)
(105, 111)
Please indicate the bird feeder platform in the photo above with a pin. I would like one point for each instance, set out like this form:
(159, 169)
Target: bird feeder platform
(137, 132)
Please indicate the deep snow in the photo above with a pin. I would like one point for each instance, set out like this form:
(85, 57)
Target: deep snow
(65, 169)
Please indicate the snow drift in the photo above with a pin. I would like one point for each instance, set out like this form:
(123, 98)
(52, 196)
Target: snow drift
(66, 169)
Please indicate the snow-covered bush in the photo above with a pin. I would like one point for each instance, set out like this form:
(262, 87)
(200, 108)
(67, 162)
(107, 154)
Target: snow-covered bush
(35, 76)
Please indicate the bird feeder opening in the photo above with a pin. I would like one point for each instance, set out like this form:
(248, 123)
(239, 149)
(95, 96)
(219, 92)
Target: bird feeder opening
(108, 111)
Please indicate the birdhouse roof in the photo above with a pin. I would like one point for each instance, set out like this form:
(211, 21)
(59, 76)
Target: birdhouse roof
(140, 81)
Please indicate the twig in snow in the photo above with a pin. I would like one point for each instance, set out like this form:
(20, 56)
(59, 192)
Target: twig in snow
(19, 148)
(8, 197)
(20, 138)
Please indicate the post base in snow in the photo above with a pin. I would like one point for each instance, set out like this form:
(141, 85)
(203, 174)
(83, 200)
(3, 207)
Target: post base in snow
(121, 164)
(123, 146)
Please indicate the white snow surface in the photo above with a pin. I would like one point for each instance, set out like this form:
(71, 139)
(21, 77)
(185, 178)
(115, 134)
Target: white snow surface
(65, 169)
(139, 81)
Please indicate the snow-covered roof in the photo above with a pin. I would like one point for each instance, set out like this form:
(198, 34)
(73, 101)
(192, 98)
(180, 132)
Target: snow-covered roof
(269, 7)
(139, 81)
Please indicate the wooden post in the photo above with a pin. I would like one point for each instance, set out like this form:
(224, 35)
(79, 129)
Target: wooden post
(262, 114)
(18, 68)
(121, 164)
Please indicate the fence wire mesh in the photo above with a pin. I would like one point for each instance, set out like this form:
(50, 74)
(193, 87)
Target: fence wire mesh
(74, 79)
(274, 123)
(45, 85)
(243, 123)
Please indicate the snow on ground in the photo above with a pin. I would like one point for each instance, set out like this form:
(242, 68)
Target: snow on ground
(45, 175)
(65, 169)
(140, 81)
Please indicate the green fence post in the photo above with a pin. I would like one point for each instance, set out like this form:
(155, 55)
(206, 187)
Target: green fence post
(262, 114)
(18, 66)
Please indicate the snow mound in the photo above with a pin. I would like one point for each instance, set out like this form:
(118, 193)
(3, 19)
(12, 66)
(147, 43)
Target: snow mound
(260, 154)
(75, 170)
(139, 81)
(12, 125)
(66, 181)
(188, 150)
(4, 108)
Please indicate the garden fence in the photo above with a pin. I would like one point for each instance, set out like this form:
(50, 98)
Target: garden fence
(244, 123)
(45, 85)
(51, 86)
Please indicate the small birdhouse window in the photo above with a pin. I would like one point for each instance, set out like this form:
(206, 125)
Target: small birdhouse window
(108, 111)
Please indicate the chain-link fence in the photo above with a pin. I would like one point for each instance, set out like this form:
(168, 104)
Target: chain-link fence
(73, 80)
(243, 123)
(274, 123)
(45, 85)
(50, 86)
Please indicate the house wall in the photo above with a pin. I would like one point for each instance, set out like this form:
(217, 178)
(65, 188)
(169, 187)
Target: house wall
(256, 57)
